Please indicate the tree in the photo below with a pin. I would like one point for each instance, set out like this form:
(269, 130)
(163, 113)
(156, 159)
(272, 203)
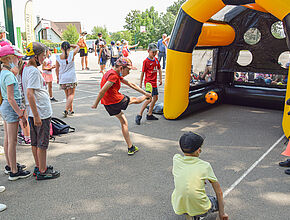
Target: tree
(173, 9)
(99, 29)
(118, 36)
(71, 34)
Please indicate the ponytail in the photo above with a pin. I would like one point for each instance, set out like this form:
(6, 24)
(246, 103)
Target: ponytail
(65, 46)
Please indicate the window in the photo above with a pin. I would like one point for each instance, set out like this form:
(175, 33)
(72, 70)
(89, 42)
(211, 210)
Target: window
(277, 30)
(245, 58)
(201, 71)
(252, 36)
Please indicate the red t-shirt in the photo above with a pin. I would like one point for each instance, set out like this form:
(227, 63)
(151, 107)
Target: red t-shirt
(112, 96)
(150, 68)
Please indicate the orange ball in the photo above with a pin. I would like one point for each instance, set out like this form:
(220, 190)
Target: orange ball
(211, 97)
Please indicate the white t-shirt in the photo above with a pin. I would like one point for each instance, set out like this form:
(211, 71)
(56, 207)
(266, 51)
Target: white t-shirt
(48, 63)
(67, 73)
(32, 79)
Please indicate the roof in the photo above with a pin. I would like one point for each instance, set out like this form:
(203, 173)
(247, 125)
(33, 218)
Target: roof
(60, 27)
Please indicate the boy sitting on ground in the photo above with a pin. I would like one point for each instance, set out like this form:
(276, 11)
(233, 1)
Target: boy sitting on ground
(190, 173)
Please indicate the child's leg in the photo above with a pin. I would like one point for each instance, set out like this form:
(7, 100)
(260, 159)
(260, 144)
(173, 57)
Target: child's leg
(66, 91)
(154, 100)
(137, 100)
(49, 85)
(12, 129)
(41, 155)
(71, 94)
(34, 153)
(144, 106)
(82, 62)
(124, 126)
(5, 144)
(86, 60)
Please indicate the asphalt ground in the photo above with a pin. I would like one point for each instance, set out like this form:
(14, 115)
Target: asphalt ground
(100, 181)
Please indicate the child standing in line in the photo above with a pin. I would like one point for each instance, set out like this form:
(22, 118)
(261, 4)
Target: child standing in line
(47, 68)
(114, 101)
(190, 173)
(66, 74)
(39, 110)
(150, 67)
(103, 56)
(10, 110)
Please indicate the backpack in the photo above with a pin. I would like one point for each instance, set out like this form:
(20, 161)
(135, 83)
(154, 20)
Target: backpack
(106, 54)
(115, 52)
(60, 127)
(125, 52)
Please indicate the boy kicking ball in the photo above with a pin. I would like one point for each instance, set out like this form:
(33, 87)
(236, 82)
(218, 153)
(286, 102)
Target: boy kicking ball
(190, 173)
(114, 102)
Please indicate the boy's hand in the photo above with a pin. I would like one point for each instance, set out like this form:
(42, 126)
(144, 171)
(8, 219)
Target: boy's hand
(140, 85)
(94, 106)
(224, 217)
(160, 82)
(37, 121)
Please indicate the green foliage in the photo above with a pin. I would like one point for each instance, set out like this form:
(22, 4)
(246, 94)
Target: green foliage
(71, 34)
(173, 9)
(118, 36)
(99, 29)
(156, 24)
(50, 44)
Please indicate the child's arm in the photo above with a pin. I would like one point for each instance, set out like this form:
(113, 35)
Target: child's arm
(219, 194)
(160, 77)
(102, 92)
(129, 47)
(76, 48)
(141, 79)
(57, 71)
(135, 87)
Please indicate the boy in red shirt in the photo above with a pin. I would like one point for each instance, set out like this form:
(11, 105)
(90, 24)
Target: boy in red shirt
(150, 67)
(114, 102)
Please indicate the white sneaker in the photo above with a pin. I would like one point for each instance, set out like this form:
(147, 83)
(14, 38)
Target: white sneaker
(2, 207)
(2, 189)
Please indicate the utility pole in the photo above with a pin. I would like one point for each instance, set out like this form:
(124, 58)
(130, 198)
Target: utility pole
(8, 15)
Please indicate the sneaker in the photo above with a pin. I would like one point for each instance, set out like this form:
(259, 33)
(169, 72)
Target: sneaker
(71, 113)
(36, 169)
(21, 174)
(20, 138)
(2, 189)
(27, 141)
(7, 169)
(138, 119)
(48, 174)
(151, 117)
(87, 68)
(287, 171)
(132, 150)
(2, 207)
(285, 163)
(53, 99)
(65, 113)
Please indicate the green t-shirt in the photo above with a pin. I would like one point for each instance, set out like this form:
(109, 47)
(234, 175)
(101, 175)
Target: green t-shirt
(189, 195)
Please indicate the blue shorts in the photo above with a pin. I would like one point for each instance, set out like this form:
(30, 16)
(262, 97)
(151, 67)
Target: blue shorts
(154, 91)
(8, 113)
(103, 61)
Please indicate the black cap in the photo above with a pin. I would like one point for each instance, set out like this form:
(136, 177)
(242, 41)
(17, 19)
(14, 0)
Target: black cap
(190, 142)
(153, 47)
(99, 34)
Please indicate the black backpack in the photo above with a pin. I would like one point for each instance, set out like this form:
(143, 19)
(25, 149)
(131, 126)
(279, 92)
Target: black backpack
(60, 127)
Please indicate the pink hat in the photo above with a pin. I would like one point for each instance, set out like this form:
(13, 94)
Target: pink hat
(10, 50)
(4, 43)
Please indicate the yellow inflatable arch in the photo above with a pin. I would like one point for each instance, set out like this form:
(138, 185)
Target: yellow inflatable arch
(191, 29)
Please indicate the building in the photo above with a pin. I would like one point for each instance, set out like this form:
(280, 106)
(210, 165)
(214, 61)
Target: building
(52, 31)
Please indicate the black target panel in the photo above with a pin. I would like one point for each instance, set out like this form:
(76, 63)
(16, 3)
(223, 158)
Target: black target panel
(265, 53)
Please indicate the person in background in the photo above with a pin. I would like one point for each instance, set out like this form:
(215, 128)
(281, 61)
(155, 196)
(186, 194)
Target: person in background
(83, 50)
(103, 56)
(114, 53)
(47, 68)
(66, 74)
(3, 40)
(126, 48)
(162, 51)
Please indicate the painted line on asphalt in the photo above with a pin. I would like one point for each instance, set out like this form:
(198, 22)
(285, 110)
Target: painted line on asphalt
(54, 103)
(252, 167)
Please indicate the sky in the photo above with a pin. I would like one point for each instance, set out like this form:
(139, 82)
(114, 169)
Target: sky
(109, 13)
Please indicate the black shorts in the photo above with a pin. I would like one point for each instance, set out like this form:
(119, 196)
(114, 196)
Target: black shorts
(82, 53)
(115, 109)
(39, 135)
